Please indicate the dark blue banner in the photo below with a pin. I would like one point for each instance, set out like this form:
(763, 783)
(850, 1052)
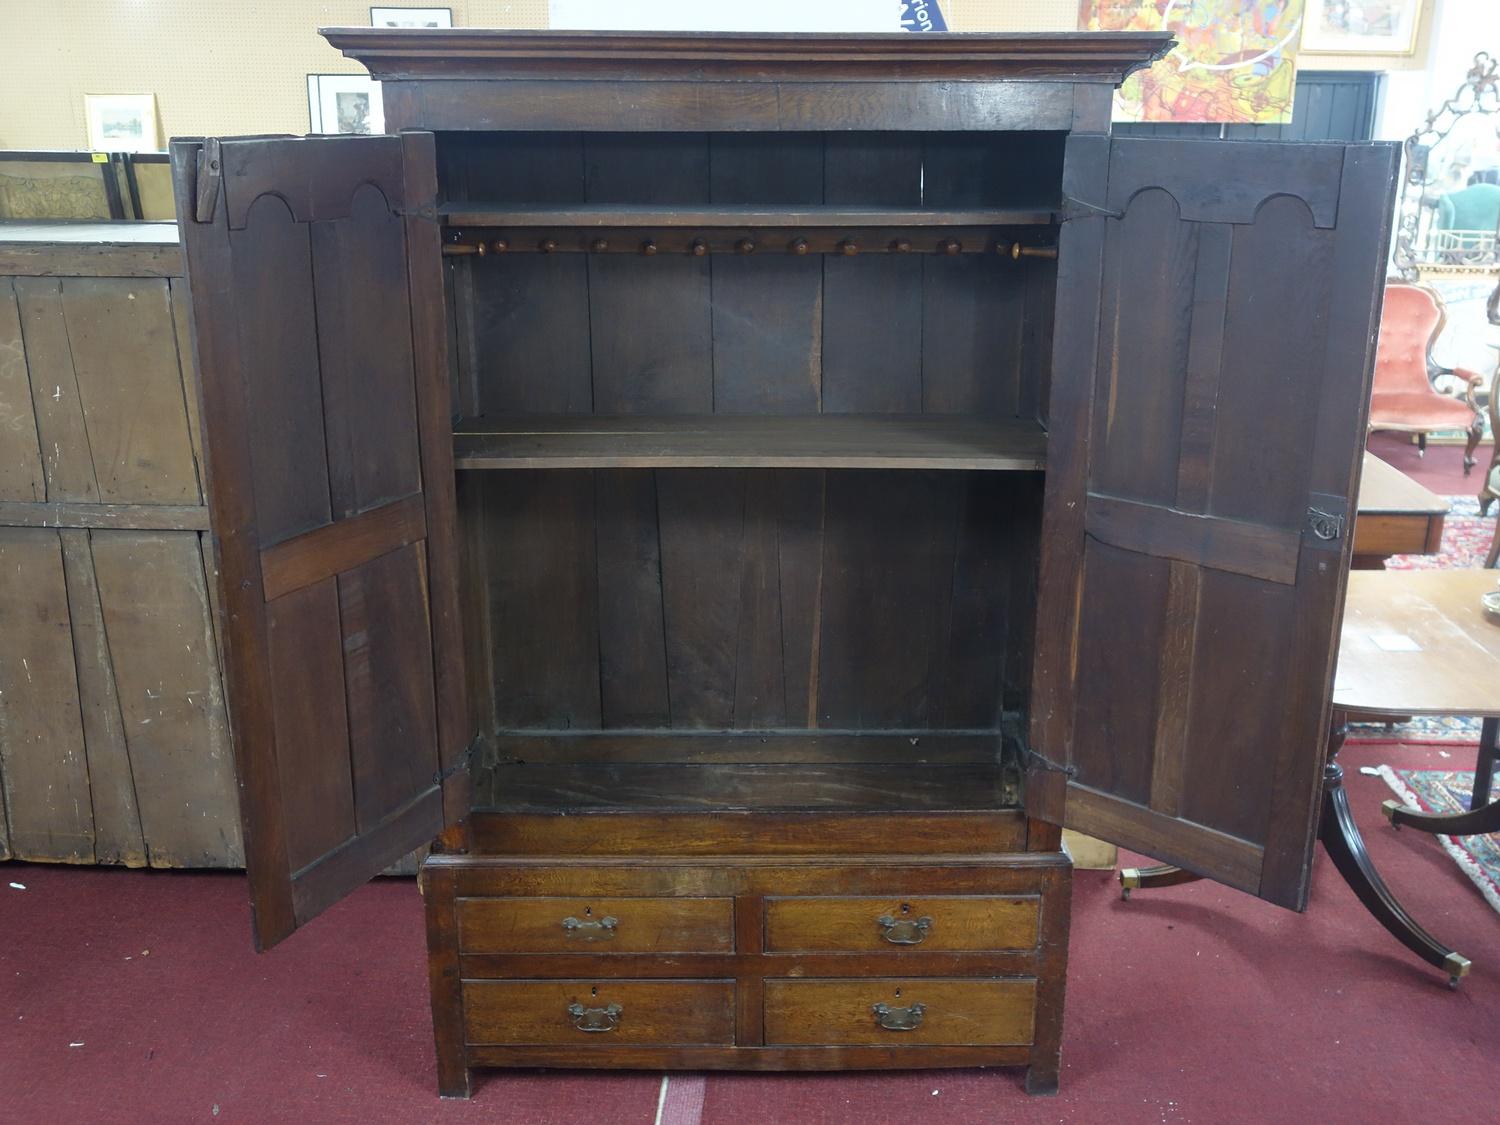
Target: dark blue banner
(922, 15)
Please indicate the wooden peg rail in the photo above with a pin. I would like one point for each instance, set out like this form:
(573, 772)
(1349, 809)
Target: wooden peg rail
(843, 242)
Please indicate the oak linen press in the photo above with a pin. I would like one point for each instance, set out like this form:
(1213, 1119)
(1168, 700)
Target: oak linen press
(742, 494)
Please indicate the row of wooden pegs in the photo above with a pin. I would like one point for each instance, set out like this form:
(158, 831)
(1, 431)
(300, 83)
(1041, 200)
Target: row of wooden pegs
(699, 247)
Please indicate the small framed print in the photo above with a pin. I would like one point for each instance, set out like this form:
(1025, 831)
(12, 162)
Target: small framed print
(1361, 27)
(122, 122)
(344, 103)
(411, 17)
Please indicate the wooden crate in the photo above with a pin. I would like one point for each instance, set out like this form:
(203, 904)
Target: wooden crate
(114, 741)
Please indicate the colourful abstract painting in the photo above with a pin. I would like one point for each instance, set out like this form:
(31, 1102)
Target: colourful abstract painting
(1234, 60)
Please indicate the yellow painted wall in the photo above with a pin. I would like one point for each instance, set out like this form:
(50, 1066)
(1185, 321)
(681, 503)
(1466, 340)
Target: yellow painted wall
(216, 67)
(226, 68)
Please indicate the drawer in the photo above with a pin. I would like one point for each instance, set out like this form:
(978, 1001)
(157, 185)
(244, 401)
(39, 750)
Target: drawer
(599, 1013)
(943, 923)
(600, 925)
(894, 1013)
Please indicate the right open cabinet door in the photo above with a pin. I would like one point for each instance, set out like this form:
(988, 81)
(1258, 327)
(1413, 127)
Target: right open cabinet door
(1218, 304)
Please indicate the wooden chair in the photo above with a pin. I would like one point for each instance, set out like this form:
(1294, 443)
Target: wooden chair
(1404, 399)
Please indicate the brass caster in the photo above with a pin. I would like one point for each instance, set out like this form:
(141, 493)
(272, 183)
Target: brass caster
(1389, 809)
(1130, 878)
(1458, 967)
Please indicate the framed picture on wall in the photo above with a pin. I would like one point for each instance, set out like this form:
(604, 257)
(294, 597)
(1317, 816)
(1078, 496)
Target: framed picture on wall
(344, 103)
(1362, 27)
(411, 17)
(122, 122)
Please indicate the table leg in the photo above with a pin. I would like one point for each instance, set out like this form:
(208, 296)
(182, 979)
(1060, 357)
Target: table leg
(1161, 875)
(1344, 845)
(1481, 817)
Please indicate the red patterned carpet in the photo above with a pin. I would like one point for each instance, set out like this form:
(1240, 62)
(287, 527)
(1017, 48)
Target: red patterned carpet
(1191, 1004)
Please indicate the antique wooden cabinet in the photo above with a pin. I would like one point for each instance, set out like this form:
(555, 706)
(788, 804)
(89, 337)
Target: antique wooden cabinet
(742, 494)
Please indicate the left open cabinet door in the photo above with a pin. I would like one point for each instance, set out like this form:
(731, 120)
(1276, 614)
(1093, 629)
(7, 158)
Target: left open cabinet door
(315, 271)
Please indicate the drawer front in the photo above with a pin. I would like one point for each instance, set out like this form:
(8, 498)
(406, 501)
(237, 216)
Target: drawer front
(895, 1013)
(602, 925)
(599, 1013)
(944, 924)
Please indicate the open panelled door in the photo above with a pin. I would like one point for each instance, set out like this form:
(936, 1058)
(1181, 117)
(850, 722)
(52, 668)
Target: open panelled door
(316, 278)
(1218, 304)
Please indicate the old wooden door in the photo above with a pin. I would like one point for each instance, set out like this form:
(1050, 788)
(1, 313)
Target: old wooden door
(315, 272)
(1217, 309)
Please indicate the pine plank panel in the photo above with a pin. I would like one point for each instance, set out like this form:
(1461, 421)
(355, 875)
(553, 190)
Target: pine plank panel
(544, 593)
(767, 334)
(799, 558)
(632, 633)
(872, 304)
(759, 678)
(124, 347)
(365, 355)
(312, 721)
(652, 334)
(973, 325)
(118, 836)
(66, 457)
(969, 692)
(278, 344)
(531, 333)
(888, 553)
(42, 753)
(388, 681)
(156, 617)
(21, 476)
(701, 523)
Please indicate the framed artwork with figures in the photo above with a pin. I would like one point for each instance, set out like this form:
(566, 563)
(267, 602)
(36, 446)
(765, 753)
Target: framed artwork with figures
(1362, 27)
(344, 103)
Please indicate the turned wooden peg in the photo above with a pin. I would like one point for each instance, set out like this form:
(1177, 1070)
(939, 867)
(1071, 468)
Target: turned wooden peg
(547, 245)
(698, 248)
(599, 245)
(848, 248)
(648, 247)
(798, 246)
(1017, 251)
(500, 245)
(951, 246)
(901, 246)
(745, 246)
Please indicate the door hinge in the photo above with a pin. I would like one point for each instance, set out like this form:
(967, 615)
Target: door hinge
(1081, 209)
(461, 762)
(1327, 516)
(1035, 761)
(209, 174)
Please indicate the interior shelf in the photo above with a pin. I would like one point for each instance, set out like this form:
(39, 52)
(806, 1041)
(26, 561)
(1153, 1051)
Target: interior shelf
(541, 771)
(756, 216)
(826, 441)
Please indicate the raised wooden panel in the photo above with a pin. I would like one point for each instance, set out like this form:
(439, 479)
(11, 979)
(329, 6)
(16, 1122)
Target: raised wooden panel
(1189, 608)
(315, 271)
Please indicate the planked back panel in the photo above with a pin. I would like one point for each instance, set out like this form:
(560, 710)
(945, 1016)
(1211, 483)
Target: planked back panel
(114, 744)
(750, 599)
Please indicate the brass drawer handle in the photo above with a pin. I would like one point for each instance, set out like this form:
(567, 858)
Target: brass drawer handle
(899, 1019)
(592, 930)
(903, 931)
(595, 1019)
